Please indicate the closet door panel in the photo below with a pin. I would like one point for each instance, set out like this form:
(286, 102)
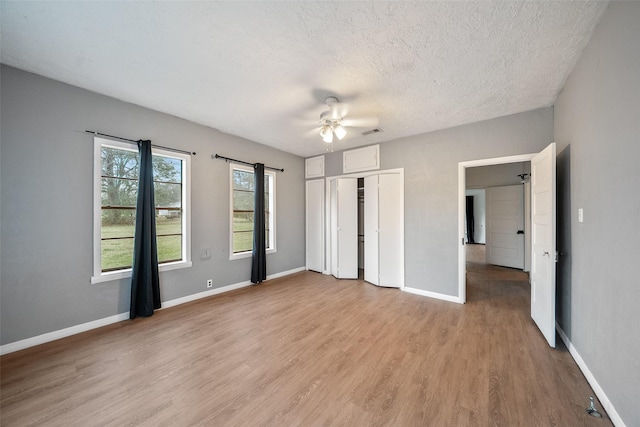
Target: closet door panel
(315, 225)
(390, 230)
(347, 228)
(333, 227)
(371, 229)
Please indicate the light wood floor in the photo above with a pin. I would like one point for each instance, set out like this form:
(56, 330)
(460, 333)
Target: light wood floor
(476, 253)
(308, 350)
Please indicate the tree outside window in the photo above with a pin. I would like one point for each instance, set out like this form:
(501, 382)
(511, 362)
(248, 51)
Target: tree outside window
(243, 194)
(119, 187)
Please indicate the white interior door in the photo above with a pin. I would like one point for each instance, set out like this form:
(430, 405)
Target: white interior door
(543, 241)
(346, 228)
(333, 227)
(371, 229)
(390, 230)
(314, 212)
(383, 234)
(505, 226)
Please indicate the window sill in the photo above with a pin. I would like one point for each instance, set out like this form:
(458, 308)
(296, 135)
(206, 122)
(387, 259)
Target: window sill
(123, 274)
(248, 254)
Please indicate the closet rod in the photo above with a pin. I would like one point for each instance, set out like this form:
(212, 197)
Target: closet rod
(229, 159)
(136, 142)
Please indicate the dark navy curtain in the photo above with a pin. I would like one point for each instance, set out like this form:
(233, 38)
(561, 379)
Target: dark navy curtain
(145, 286)
(259, 264)
(470, 221)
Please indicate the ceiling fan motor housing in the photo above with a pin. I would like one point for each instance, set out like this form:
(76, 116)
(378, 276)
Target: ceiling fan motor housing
(332, 115)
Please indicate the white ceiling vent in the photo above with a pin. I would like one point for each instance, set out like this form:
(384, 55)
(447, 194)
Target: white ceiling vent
(369, 132)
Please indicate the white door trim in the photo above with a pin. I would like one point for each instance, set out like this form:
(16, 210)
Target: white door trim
(462, 175)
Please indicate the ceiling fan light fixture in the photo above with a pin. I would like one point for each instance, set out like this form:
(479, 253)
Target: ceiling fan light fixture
(326, 134)
(331, 121)
(340, 132)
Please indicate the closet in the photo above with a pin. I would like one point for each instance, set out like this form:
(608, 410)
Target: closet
(381, 221)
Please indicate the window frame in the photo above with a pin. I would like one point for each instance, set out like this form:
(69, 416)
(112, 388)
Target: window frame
(100, 276)
(272, 212)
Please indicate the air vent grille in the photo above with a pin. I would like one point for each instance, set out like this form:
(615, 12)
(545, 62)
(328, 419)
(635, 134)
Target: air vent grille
(369, 132)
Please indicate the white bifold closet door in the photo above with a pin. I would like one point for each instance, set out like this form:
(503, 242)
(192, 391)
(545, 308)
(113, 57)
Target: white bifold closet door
(371, 229)
(383, 228)
(344, 228)
(314, 223)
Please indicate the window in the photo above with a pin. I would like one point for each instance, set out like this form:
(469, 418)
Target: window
(116, 192)
(242, 202)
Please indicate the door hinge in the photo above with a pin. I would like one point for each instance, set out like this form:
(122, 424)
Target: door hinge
(557, 255)
(462, 241)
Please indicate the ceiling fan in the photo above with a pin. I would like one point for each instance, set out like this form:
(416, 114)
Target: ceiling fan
(333, 122)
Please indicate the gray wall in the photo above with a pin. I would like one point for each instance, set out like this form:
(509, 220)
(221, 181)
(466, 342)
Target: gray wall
(46, 204)
(597, 128)
(496, 175)
(430, 162)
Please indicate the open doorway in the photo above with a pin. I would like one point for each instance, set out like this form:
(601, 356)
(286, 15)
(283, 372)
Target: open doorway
(543, 234)
(496, 215)
(482, 173)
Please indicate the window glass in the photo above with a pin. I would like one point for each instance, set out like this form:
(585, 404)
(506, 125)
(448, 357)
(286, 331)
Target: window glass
(243, 194)
(119, 170)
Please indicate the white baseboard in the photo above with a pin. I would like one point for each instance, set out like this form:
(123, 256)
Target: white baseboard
(606, 403)
(224, 289)
(286, 273)
(73, 330)
(61, 333)
(430, 294)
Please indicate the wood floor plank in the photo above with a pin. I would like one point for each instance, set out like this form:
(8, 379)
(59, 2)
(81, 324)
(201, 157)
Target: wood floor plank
(310, 350)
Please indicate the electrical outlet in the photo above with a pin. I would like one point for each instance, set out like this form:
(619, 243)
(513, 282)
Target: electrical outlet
(210, 283)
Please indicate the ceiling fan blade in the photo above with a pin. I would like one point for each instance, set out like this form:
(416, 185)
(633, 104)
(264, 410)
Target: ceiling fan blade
(360, 122)
(312, 132)
(339, 110)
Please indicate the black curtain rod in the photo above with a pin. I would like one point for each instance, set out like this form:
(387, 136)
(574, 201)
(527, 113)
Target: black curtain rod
(228, 159)
(135, 142)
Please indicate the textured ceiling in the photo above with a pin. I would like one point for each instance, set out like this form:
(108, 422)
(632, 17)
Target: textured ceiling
(261, 70)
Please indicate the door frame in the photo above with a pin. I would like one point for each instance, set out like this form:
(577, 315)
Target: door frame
(327, 224)
(462, 185)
